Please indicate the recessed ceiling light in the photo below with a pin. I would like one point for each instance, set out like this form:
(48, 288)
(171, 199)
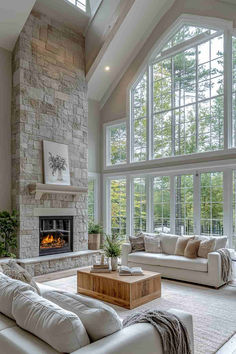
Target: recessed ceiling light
(107, 68)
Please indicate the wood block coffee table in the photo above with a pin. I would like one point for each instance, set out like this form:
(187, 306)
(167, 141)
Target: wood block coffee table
(125, 291)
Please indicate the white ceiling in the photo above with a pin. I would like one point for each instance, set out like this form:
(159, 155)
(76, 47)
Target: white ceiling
(13, 14)
(135, 28)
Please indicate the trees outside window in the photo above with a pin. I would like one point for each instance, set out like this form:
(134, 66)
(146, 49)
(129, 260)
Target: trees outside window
(139, 204)
(116, 144)
(184, 205)
(161, 204)
(212, 203)
(118, 207)
(186, 99)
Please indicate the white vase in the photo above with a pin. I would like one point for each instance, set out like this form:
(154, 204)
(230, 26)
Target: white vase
(114, 263)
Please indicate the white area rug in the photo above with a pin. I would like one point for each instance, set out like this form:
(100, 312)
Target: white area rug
(214, 311)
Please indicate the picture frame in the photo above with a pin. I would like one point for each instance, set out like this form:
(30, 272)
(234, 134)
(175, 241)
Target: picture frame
(56, 163)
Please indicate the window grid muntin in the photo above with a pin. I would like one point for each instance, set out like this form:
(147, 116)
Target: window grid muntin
(184, 224)
(170, 56)
(118, 221)
(139, 211)
(234, 90)
(211, 220)
(164, 221)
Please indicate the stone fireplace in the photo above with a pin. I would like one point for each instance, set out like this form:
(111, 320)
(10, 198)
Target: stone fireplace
(49, 103)
(55, 234)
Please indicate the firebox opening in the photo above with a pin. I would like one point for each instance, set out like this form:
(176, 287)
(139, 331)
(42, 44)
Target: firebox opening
(55, 234)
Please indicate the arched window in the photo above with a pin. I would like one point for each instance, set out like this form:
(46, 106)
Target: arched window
(177, 106)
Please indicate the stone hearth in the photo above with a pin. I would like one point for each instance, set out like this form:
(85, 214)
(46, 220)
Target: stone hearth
(49, 103)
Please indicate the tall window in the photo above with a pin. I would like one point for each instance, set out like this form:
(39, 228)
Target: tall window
(91, 200)
(116, 144)
(212, 203)
(234, 211)
(118, 206)
(139, 204)
(186, 97)
(139, 121)
(184, 204)
(161, 204)
(234, 90)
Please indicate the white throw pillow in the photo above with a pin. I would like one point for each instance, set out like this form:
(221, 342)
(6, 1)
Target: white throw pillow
(221, 242)
(99, 319)
(8, 287)
(168, 243)
(152, 244)
(61, 329)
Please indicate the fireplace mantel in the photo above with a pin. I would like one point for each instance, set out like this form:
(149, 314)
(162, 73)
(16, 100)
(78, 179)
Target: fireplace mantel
(39, 189)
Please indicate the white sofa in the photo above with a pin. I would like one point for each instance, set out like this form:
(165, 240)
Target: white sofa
(198, 270)
(136, 339)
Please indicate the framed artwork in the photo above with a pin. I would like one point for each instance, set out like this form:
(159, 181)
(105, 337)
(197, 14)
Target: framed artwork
(56, 163)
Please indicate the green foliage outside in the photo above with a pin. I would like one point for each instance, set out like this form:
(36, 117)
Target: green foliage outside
(8, 235)
(112, 245)
(177, 87)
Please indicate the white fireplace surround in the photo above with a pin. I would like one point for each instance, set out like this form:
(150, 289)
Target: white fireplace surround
(54, 212)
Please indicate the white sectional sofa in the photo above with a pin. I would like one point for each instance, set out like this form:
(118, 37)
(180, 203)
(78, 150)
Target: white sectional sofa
(198, 270)
(136, 339)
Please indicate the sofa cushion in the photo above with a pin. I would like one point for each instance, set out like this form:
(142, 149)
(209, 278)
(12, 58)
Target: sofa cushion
(206, 247)
(6, 322)
(61, 329)
(137, 243)
(15, 271)
(192, 248)
(90, 311)
(152, 244)
(220, 241)
(171, 261)
(168, 243)
(8, 288)
(181, 245)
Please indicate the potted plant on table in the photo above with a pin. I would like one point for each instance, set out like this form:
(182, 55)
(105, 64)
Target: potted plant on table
(112, 249)
(8, 237)
(94, 236)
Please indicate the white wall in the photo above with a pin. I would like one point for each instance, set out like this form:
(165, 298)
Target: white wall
(5, 129)
(94, 137)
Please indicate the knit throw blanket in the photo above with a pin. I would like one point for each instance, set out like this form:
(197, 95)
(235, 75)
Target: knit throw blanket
(174, 335)
(226, 264)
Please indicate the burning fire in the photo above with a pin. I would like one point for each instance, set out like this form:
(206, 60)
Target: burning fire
(51, 241)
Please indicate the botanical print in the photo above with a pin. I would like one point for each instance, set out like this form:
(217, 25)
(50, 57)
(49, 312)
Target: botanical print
(56, 163)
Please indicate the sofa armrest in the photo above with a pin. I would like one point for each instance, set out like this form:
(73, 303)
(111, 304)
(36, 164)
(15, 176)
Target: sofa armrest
(214, 268)
(126, 249)
(187, 320)
(136, 339)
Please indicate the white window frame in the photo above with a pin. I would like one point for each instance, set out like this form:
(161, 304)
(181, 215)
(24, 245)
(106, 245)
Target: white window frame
(221, 26)
(106, 144)
(96, 178)
(226, 166)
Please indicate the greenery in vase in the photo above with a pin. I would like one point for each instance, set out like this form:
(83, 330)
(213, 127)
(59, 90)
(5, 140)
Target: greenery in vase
(94, 228)
(112, 245)
(8, 236)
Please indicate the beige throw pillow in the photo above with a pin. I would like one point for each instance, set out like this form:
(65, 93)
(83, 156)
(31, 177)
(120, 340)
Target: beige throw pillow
(152, 244)
(15, 271)
(181, 245)
(137, 243)
(191, 250)
(206, 247)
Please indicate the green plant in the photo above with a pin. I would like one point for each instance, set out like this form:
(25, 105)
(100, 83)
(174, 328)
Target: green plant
(94, 228)
(112, 245)
(8, 237)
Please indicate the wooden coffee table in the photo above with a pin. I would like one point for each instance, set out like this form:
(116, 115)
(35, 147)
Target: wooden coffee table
(125, 291)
